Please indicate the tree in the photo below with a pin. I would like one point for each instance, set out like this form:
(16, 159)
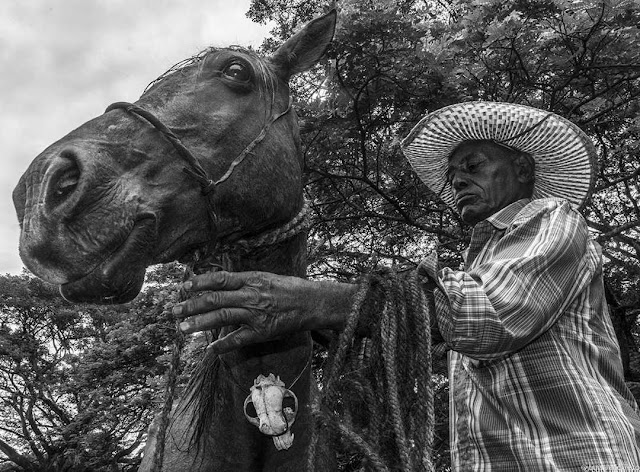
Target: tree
(79, 384)
(392, 61)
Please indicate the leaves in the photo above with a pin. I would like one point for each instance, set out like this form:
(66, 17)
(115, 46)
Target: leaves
(392, 62)
(79, 383)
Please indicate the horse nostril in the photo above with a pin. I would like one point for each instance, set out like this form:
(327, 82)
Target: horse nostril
(67, 183)
(65, 178)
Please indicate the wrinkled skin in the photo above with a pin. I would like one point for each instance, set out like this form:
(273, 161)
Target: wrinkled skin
(486, 177)
(110, 198)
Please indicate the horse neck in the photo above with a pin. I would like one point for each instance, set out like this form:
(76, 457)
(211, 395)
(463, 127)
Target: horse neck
(285, 357)
(286, 258)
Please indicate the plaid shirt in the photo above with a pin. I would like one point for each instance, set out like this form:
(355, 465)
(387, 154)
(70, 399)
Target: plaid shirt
(536, 382)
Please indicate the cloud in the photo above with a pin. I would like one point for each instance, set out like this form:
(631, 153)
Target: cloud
(64, 62)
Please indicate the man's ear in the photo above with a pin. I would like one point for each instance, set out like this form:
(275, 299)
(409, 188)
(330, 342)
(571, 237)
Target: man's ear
(525, 168)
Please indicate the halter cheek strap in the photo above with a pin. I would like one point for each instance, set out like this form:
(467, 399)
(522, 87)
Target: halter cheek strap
(195, 169)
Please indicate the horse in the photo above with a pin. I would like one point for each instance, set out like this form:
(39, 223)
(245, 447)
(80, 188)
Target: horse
(206, 163)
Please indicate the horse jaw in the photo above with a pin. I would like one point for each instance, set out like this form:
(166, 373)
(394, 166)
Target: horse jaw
(119, 278)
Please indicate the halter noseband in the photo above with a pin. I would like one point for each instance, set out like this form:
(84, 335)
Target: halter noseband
(194, 168)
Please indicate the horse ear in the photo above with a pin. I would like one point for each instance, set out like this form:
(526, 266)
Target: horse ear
(306, 47)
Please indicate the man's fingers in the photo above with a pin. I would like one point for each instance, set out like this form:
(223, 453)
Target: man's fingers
(219, 280)
(215, 300)
(241, 337)
(215, 319)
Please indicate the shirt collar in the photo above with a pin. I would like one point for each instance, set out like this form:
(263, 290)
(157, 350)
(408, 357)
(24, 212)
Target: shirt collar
(503, 218)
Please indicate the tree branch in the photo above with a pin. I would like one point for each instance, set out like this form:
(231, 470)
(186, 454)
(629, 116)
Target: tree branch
(618, 230)
(611, 183)
(15, 457)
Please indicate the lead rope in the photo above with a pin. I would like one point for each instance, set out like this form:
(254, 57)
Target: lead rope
(175, 369)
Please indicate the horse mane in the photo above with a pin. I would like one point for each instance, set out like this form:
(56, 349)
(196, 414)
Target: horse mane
(267, 79)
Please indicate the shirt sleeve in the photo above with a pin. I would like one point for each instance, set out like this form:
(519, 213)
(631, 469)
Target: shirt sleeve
(506, 301)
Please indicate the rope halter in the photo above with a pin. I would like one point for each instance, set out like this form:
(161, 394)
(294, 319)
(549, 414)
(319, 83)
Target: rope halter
(208, 185)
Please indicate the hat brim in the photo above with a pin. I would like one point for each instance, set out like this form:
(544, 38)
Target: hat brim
(565, 158)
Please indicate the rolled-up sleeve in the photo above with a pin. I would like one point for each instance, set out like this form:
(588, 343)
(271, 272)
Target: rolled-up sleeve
(520, 287)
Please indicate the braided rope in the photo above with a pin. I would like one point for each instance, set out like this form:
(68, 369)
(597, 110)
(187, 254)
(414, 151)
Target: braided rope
(296, 225)
(257, 140)
(388, 329)
(377, 396)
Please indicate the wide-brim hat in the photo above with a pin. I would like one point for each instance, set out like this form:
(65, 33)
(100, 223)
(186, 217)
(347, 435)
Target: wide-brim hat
(565, 157)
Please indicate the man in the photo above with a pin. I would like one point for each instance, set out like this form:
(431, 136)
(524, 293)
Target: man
(535, 376)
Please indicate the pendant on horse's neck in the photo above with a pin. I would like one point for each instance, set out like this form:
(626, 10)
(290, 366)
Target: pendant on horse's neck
(273, 418)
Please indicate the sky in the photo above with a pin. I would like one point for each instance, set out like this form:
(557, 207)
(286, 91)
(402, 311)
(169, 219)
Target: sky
(64, 61)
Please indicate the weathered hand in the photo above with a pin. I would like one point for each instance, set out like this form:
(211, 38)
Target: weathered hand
(266, 306)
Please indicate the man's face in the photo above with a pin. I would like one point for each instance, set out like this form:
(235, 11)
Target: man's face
(485, 178)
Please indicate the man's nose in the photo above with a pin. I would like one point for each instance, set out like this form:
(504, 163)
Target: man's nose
(459, 180)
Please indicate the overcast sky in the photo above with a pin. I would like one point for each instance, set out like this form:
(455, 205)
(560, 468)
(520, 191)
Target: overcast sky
(64, 61)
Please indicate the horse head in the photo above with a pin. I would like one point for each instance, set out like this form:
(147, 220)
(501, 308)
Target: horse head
(210, 153)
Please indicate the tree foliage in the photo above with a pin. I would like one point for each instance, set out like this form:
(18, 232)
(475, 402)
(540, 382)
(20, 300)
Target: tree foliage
(393, 61)
(78, 383)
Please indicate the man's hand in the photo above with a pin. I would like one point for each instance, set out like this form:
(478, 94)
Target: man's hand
(266, 306)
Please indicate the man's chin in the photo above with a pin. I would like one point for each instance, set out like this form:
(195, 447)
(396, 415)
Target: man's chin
(472, 214)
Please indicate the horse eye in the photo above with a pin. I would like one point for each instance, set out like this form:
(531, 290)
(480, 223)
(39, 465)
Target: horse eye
(237, 71)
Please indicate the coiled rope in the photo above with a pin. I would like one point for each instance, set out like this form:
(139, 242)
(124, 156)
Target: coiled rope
(377, 397)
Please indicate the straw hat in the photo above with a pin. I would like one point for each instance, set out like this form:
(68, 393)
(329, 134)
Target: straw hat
(565, 157)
